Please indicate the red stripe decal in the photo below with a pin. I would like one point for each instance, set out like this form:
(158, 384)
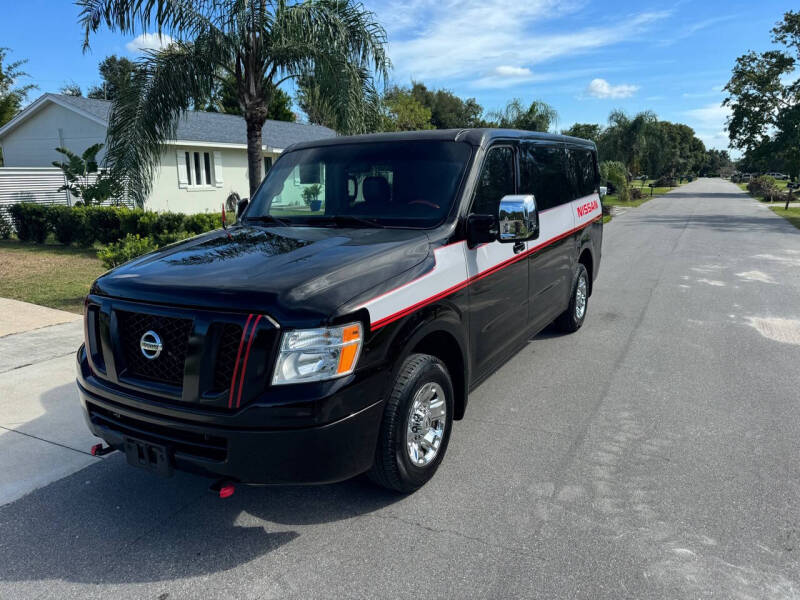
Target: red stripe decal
(459, 286)
(246, 356)
(236, 364)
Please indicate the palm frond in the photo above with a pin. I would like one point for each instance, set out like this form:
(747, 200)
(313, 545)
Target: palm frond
(145, 115)
(185, 17)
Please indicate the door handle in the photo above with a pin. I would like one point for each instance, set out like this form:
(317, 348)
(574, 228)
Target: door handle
(519, 247)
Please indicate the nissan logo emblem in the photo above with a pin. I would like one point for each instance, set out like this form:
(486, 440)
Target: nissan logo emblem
(151, 345)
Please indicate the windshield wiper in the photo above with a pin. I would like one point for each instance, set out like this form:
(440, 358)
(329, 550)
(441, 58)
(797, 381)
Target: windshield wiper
(268, 219)
(349, 221)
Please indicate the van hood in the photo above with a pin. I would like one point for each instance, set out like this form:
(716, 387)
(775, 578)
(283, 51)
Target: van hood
(294, 274)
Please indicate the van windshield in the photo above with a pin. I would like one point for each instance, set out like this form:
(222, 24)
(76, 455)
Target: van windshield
(378, 184)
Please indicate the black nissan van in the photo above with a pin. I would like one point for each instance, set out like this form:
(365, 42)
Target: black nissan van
(338, 327)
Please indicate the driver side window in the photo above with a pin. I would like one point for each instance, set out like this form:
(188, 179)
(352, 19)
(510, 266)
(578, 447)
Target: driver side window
(496, 180)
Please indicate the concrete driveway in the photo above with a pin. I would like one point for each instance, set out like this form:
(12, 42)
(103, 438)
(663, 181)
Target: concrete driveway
(653, 454)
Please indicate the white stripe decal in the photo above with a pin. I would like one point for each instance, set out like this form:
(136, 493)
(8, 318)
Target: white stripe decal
(457, 266)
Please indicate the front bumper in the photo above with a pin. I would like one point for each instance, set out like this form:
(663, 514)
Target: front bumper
(278, 448)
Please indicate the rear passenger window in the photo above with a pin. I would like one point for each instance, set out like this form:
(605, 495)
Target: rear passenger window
(582, 173)
(496, 180)
(543, 174)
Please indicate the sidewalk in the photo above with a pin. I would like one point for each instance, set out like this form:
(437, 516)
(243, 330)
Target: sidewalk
(42, 434)
(17, 317)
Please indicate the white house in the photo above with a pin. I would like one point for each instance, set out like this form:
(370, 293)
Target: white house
(198, 170)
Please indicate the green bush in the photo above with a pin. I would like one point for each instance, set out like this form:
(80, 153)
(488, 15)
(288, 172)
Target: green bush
(764, 186)
(615, 173)
(128, 248)
(30, 221)
(101, 224)
(88, 225)
(66, 223)
(5, 228)
(202, 222)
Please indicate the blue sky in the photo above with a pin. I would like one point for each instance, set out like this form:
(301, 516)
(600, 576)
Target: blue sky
(583, 57)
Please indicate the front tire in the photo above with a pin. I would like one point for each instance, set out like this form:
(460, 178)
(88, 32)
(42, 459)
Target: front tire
(571, 319)
(416, 425)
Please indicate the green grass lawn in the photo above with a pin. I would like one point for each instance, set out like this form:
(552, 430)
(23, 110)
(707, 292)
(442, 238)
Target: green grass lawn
(792, 214)
(52, 276)
(613, 199)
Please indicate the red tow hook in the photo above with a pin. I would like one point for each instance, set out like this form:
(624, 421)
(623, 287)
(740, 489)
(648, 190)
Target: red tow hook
(223, 488)
(100, 450)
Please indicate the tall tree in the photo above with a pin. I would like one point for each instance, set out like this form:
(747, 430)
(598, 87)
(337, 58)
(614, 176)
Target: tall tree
(403, 112)
(261, 43)
(71, 89)
(625, 138)
(225, 99)
(116, 74)
(586, 131)
(12, 95)
(448, 111)
(763, 95)
(539, 116)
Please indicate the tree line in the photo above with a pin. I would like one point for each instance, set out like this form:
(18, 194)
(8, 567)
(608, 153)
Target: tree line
(764, 98)
(233, 57)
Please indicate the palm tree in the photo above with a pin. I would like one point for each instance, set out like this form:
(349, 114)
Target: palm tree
(539, 116)
(260, 43)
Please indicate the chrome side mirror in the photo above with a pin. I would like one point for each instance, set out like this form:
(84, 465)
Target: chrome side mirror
(518, 218)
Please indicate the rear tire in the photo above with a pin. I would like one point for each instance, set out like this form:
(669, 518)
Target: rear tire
(571, 319)
(416, 425)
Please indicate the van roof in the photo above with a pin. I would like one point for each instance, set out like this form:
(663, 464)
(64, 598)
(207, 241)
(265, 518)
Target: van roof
(476, 137)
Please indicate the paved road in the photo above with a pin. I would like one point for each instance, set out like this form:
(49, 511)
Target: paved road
(653, 454)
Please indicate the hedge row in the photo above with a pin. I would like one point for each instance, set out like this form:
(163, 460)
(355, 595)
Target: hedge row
(90, 225)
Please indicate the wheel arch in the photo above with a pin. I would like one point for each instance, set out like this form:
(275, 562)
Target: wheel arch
(586, 258)
(438, 330)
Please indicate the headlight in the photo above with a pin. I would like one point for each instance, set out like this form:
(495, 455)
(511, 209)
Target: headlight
(317, 354)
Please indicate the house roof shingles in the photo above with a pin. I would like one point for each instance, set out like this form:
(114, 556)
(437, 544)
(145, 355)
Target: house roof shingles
(196, 126)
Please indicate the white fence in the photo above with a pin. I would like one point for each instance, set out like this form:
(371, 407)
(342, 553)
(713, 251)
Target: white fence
(34, 184)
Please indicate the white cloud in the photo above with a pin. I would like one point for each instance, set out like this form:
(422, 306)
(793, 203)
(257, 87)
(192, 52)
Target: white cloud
(148, 41)
(600, 88)
(461, 39)
(509, 71)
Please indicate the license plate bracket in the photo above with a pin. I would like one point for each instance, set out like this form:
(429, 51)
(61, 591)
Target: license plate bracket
(145, 455)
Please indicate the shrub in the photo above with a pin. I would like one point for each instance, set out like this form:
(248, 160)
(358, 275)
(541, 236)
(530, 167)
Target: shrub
(615, 173)
(66, 223)
(202, 222)
(636, 193)
(101, 224)
(665, 181)
(30, 221)
(128, 248)
(764, 186)
(129, 220)
(5, 228)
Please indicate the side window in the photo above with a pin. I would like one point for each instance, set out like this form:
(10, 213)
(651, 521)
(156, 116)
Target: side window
(583, 174)
(542, 173)
(496, 180)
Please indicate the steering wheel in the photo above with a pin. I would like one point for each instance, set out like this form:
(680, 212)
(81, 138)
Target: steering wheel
(425, 202)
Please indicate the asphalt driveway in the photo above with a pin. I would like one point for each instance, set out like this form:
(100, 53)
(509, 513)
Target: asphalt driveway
(652, 454)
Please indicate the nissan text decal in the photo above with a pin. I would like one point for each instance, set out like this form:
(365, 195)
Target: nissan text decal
(585, 209)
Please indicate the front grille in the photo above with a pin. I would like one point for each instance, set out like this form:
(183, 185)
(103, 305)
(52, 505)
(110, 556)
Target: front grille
(226, 356)
(174, 334)
(191, 443)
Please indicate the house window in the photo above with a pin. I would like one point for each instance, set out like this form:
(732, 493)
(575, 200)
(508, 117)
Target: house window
(267, 164)
(199, 169)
